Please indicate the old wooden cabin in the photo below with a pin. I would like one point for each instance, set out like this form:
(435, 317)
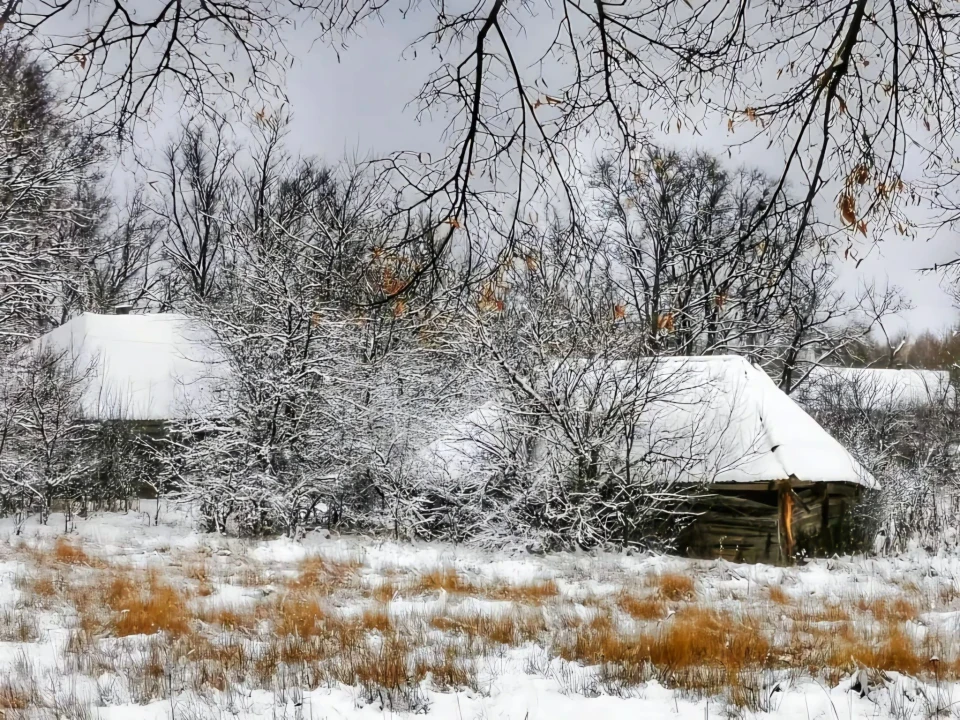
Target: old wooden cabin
(757, 479)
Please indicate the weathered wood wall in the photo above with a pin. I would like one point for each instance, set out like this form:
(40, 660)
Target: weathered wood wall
(770, 522)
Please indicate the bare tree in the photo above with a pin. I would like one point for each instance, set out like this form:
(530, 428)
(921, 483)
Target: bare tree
(325, 374)
(44, 217)
(42, 432)
(692, 283)
(197, 179)
(559, 453)
(847, 90)
(118, 260)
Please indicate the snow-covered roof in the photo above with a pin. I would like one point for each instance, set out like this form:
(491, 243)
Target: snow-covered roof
(877, 387)
(138, 367)
(707, 419)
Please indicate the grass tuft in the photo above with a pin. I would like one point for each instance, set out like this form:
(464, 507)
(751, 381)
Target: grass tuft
(15, 696)
(650, 607)
(778, 595)
(446, 579)
(674, 587)
(531, 593)
(145, 608)
(322, 575)
(67, 553)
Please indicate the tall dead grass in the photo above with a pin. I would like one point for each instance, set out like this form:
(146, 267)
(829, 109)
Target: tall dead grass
(319, 574)
(673, 587)
(444, 578)
(68, 553)
(325, 621)
(649, 607)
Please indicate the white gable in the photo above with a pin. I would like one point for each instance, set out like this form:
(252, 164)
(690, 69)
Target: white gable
(709, 419)
(138, 367)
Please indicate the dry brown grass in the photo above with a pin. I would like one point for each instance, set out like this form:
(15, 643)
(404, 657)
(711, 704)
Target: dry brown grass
(699, 650)
(376, 619)
(674, 586)
(198, 571)
(449, 580)
(386, 666)
(15, 696)
(318, 574)
(778, 595)
(948, 593)
(305, 618)
(509, 627)
(885, 608)
(300, 639)
(146, 673)
(449, 668)
(531, 593)
(700, 635)
(67, 553)
(17, 625)
(599, 641)
(445, 578)
(648, 607)
(384, 592)
(808, 611)
(298, 616)
(230, 618)
(251, 576)
(144, 606)
(41, 590)
(891, 650)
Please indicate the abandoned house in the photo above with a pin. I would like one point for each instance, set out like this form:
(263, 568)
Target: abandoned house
(761, 481)
(144, 370)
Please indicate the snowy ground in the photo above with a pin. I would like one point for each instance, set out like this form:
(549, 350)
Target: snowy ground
(121, 619)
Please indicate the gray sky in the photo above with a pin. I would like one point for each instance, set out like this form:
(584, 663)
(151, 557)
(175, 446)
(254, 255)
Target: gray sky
(360, 107)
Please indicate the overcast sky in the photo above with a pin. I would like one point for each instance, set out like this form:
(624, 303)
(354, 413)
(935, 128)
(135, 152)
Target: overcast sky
(360, 106)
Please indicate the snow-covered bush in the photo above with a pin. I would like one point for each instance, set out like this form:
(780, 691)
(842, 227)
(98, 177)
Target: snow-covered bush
(552, 460)
(908, 444)
(332, 385)
(42, 436)
(51, 455)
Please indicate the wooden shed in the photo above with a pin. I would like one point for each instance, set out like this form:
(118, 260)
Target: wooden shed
(774, 522)
(779, 486)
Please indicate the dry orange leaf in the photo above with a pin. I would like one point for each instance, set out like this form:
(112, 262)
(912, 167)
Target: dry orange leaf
(665, 322)
(859, 175)
(848, 209)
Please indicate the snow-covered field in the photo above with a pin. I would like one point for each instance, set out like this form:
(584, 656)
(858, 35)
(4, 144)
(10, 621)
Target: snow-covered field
(122, 619)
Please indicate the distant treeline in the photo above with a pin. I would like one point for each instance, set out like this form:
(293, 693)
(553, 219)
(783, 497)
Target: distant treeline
(928, 351)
